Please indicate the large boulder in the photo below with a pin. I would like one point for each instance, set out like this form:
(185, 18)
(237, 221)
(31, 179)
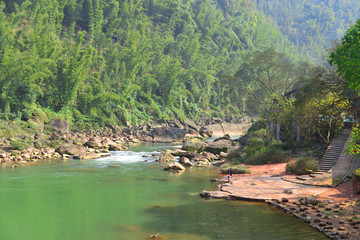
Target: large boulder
(208, 155)
(60, 125)
(175, 166)
(165, 157)
(226, 137)
(194, 145)
(90, 155)
(187, 154)
(71, 149)
(93, 143)
(205, 132)
(112, 146)
(167, 134)
(185, 162)
(219, 146)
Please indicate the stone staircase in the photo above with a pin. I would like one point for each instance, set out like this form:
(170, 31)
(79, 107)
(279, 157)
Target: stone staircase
(334, 159)
(334, 151)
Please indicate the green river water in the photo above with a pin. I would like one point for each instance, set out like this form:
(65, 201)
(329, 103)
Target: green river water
(90, 200)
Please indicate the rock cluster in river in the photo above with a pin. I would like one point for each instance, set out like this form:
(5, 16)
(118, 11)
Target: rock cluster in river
(196, 152)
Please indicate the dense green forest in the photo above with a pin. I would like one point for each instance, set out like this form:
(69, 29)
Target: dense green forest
(131, 61)
(312, 24)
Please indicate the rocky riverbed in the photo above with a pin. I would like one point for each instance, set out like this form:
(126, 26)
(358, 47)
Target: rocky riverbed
(338, 220)
(58, 142)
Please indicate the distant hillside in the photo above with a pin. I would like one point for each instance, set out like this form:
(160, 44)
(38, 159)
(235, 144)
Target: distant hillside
(311, 24)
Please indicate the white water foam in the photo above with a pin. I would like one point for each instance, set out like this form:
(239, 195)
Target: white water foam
(128, 157)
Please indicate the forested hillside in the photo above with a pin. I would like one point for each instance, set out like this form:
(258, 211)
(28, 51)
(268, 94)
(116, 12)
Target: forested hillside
(126, 61)
(130, 61)
(312, 24)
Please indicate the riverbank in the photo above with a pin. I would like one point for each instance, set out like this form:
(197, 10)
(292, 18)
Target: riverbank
(56, 141)
(335, 211)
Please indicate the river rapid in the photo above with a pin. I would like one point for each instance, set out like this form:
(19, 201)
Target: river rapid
(128, 197)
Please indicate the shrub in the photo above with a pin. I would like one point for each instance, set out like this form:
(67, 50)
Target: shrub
(235, 155)
(303, 165)
(254, 145)
(269, 155)
(55, 144)
(256, 126)
(257, 159)
(237, 169)
(291, 166)
(277, 156)
(19, 144)
(356, 174)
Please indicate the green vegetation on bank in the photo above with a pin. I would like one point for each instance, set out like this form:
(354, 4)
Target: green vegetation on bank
(302, 165)
(237, 169)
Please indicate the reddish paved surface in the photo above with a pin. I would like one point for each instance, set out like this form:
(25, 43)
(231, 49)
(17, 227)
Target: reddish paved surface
(263, 185)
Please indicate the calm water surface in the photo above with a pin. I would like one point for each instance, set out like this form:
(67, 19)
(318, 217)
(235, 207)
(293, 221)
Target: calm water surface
(92, 200)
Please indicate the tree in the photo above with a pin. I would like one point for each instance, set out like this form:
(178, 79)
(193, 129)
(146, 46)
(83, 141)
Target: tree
(347, 58)
(263, 74)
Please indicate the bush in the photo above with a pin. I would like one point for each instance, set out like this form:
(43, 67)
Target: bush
(237, 169)
(356, 174)
(235, 155)
(257, 159)
(55, 143)
(19, 144)
(269, 155)
(303, 165)
(277, 156)
(256, 126)
(254, 145)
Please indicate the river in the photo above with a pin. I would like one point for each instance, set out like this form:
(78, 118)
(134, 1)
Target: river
(128, 197)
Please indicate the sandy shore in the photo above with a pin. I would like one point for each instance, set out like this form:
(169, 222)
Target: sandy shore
(232, 129)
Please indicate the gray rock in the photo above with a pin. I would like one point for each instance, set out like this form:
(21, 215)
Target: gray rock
(219, 146)
(93, 143)
(209, 156)
(71, 149)
(205, 132)
(60, 125)
(194, 145)
(175, 166)
(185, 161)
(287, 191)
(167, 134)
(205, 194)
(165, 157)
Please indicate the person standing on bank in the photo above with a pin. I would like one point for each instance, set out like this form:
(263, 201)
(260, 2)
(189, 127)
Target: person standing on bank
(231, 172)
